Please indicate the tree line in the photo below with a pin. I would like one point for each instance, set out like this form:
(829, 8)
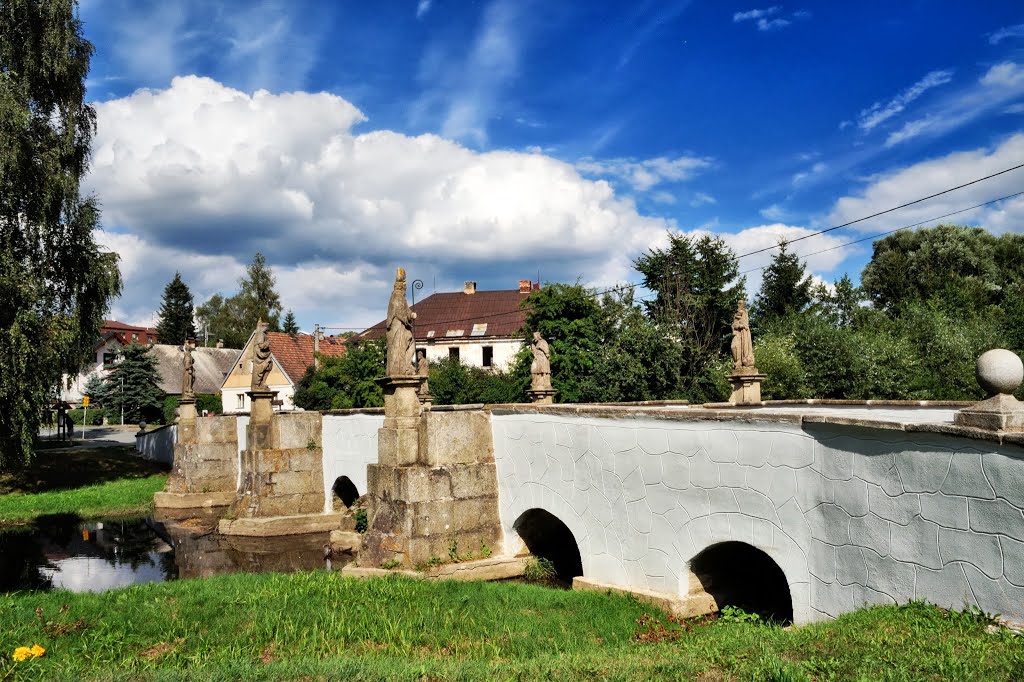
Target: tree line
(929, 303)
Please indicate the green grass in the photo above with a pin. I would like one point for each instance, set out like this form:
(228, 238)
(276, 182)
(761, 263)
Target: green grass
(116, 499)
(91, 483)
(319, 626)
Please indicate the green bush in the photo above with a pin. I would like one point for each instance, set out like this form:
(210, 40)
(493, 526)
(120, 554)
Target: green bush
(777, 358)
(204, 401)
(95, 416)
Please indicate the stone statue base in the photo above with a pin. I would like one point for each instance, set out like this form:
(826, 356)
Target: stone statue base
(746, 386)
(398, 439)
(999, 413)
(187, 420)
(261, 411)
(542, 396)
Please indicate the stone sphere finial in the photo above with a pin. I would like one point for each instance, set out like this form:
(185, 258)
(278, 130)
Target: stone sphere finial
(999, 371)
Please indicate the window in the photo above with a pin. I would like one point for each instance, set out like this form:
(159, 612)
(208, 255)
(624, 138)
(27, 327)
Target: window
(488, 356)
(453, 352)
(241, 401)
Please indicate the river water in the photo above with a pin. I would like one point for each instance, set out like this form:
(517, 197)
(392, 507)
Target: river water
(63, 552)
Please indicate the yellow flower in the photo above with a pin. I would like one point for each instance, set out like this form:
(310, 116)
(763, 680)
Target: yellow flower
(24, 652)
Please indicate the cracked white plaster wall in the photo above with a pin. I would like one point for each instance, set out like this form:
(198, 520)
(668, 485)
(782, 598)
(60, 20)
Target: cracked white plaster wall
(852, 515)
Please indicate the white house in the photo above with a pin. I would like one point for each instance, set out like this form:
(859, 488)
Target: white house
(480, 328)
(114, 336)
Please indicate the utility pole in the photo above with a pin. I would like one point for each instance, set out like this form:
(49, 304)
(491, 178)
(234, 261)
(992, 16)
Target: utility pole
(316, 347)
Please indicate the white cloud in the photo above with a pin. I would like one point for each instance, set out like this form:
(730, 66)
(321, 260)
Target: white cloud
(999, 85)
(1017, 108)
(422, 7)
(199, 176)
(644, 174)
(754, 14)
(463, 93)
(768, 19)
(259, 44)
(1005, 32)
(879, 113)
(934, 175)
(773, 212)
(766, 236)
(702, 199)
(803, 176)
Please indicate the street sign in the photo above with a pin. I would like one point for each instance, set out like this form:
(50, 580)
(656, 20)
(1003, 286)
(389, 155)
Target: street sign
(85, 401)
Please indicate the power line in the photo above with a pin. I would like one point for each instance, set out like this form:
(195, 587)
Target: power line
(898, 229)
(888, 210)
(624, 287)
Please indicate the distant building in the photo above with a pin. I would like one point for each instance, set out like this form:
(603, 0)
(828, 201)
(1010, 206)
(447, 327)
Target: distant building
(113, 337)
(480, 328)
(292, 355)
(212, 365)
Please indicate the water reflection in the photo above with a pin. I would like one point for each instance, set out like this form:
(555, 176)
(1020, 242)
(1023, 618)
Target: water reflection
(64, 552)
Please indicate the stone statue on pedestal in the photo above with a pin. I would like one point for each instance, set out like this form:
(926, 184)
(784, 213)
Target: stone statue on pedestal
(540, 370)
(261, 360)
(423, 369)
(742, 345)
(401, 347)
(188, 374)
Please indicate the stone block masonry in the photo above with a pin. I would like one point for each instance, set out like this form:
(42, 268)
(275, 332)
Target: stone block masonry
(205, 471)
(434, 490)
(283, 475)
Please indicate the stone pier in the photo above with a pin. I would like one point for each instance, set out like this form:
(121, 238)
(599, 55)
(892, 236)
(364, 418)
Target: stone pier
(434, 489)
(282, 489)
(205, 471)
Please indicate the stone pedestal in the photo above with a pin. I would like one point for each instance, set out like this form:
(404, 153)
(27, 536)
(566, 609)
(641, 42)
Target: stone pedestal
(746, 386)
(205, 471)
(261, 411)
(542, 396)
(282, 489)
(999, 413)
(187, 420)
(434, 489)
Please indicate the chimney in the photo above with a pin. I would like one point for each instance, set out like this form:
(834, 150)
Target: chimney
(536, 286)
(220, 343)
(469, 288)
(524, 286)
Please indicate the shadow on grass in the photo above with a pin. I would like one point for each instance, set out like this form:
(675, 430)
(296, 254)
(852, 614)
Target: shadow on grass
(70, 469)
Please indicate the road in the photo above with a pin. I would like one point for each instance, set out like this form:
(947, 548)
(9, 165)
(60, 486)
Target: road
(98, 436)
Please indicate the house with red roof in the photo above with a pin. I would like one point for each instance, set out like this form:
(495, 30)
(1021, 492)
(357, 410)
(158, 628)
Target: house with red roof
(480, 328)
(114, 336)
(292, 355)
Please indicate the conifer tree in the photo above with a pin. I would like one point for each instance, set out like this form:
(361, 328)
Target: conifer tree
(132, 385)
(234, 319)
(786, 287)
(176, 313)
(55, 282)
(290, 326)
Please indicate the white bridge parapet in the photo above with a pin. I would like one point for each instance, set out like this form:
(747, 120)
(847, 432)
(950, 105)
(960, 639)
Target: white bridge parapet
(855, 505)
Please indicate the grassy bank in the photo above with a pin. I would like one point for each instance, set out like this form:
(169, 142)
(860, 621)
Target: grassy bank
(92, 483)
(320, 626)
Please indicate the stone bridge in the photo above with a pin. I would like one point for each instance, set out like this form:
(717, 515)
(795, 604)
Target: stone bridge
(805, 511)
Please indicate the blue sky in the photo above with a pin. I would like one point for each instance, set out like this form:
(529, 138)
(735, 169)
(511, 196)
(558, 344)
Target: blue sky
(495, 140)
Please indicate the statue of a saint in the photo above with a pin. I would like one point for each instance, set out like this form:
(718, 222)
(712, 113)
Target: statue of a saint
(540, 370)
(401, 347)
(742, 346)
(423, 369)
(261, 360)
(188, 374)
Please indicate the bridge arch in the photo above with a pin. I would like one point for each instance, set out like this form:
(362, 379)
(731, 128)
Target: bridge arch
(345, 490)
(547, 536)
(741, 575)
